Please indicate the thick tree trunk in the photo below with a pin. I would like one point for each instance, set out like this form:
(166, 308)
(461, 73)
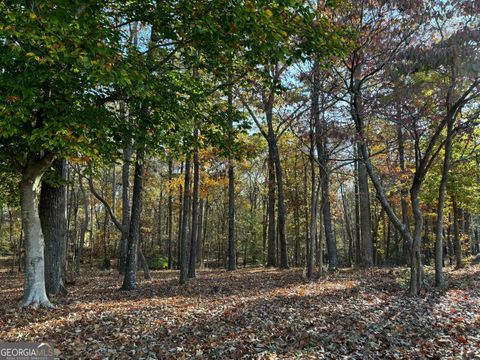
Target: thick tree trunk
(184, 224)
(53, 208)
(130, 278)
(30, 187)
(127, 155)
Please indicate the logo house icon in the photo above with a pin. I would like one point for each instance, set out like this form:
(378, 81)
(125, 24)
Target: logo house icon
(44, 349)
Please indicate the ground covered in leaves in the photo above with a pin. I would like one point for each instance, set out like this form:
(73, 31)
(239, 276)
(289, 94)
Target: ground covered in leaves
(253, 314)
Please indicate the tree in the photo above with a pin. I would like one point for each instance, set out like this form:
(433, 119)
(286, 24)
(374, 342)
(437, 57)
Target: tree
(42, 71)
(53, 211)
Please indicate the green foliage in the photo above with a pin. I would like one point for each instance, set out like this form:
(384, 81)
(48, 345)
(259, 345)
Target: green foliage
(57, 60)
(158, 263)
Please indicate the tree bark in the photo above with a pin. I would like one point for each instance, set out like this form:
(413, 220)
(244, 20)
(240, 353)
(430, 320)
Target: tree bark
(53, 207)
(194, 234)
(127, 155)
(170, 217)
(457, 243)
(201, 220)
(83, 228)
(130, 278)
(365, 215)
(439, 277)
(232, 251)
(313, 231)
(30, 187)
(271, 253)
(184, 224)
(282, 238)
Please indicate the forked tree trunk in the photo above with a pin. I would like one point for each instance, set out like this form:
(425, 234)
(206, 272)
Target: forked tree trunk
(30, 187)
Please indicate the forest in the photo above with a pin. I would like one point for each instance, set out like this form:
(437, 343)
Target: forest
(226, 179)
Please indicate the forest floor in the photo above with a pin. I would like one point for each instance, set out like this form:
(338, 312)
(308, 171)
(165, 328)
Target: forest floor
(253, 314)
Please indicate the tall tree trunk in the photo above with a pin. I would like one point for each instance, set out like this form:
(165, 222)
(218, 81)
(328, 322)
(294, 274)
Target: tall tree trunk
(321, 146)
(348, 229)
(313, 231)
(194, 234)
(271, 253)
(403, 191)
(184, 224)
(365, 215)
(30, 187)
(439, 278)
(127, 156)
(282, 238)
(53, 216)
(170, 217)
(457, 243)
(201, 220)
(83, 228)
(358, 236)
(232, 253)
(416, 266)
(130, 278)
(180, 219)
(296, 217)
